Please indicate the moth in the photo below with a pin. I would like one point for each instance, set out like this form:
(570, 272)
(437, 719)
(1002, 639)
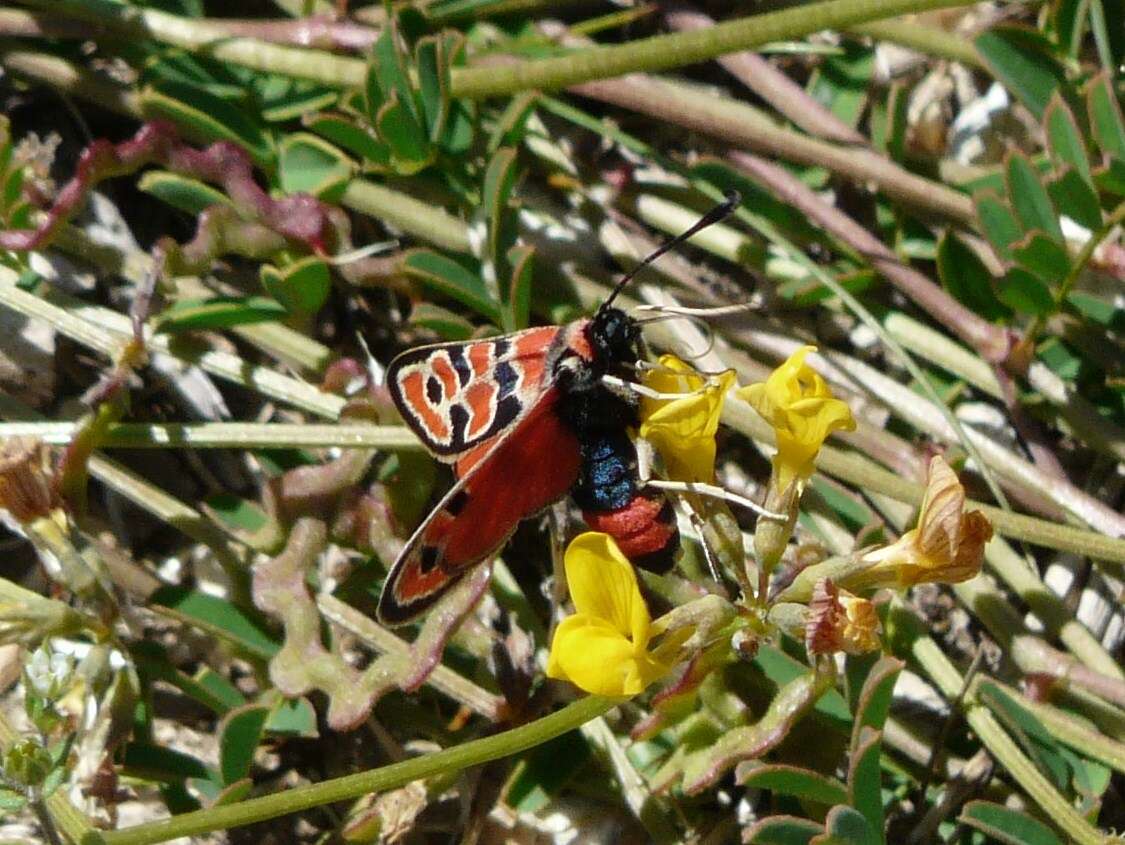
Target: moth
(526, 419)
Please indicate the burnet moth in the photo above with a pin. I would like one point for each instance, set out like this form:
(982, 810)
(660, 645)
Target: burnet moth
(525, 419)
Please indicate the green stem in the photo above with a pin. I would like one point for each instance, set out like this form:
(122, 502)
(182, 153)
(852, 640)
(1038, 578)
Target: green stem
(211, 435)
(942, 672)
(663, 52)
(924, 39)
(1064, 727)
(352, 786)
(865, 474)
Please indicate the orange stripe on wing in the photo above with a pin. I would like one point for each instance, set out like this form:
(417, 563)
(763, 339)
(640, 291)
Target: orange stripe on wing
(439, 363)
(413, 387)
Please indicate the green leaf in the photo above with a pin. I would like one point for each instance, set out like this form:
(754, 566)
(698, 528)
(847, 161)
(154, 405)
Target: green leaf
(1010, 827)
(1106, 122)
(310, 165)
(1043, 256)
(451, 279)
(1075, 198)
(218, 312)
(433, 84)
(239, 735)
(545, 770)
(397, 126)
(302, 287)
(510, 126)
(441, 321)
(156, 762)
(293, 717)
(1029, 198)
(1031, 734)
(232, 793)
(782, 830)
(1024, 292)
(182, 192)
(518, 306)
(864, 776)
(208, 116)
(1097, 309)
(387, 73)
(295, 98)
(499, 181)
(1021, 59)
(997, 222)
(237, 514)
(1110, 176)
(1064, 141)
(875, 698)
(842, 81)
(845, 826)
(353, 138)
(217, 616)
(219, 687)
(964, 275)
(795, 781)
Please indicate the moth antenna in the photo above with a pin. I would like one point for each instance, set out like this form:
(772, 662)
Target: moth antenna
(719, 212)
(716, 492)
(685, 311)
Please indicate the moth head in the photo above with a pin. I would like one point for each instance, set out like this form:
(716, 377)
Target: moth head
(614, 336)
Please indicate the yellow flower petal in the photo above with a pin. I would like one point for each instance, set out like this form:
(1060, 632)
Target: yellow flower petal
(603, 585)
(683, 429)
(800, 406)
(603, 647)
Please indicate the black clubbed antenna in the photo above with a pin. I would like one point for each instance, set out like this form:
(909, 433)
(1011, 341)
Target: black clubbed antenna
(719, 212)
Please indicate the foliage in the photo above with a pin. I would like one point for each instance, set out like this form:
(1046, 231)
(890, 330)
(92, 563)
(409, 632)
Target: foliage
(316, 193)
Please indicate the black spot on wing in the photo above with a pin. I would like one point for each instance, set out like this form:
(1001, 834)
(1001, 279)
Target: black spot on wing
(456, 503)
(507, 409)
(459, 424)
(428, 559)
(506, 378)
(433, 390)
(460, 364)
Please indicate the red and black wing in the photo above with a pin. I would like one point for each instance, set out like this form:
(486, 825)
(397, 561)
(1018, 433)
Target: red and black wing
(458, 396)
(528, 467)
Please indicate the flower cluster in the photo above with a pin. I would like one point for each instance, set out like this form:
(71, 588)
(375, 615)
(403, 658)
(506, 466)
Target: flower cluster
(611, 646)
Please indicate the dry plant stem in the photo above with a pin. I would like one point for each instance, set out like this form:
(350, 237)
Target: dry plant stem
(992, 342)
(210, 435)
(301, 798)
(69, 79)
(233, 557)
(107, 331)
(1003, 749)
(773, 86)
(1094, 429)
(1050, 609)
(64, 815)
(443, 679)
(741, 124)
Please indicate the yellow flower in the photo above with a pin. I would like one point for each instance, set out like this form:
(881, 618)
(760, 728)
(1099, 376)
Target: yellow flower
(840, 621)
(683, 430)
(797, 402)
(946, 547)
(604, 647)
